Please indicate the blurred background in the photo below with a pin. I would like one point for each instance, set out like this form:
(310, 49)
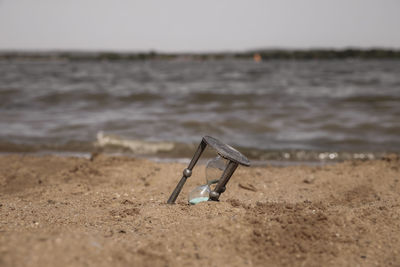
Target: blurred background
(281, 81)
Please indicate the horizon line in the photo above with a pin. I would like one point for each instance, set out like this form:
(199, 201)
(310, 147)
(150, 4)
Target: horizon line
(227, 51)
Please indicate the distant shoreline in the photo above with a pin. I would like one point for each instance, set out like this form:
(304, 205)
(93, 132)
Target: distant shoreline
(267, 54)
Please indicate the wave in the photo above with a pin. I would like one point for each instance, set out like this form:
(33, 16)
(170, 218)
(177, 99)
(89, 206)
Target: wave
(136, 146)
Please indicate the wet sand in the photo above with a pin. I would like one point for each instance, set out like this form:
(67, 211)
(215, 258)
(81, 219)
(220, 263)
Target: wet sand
(111, 211)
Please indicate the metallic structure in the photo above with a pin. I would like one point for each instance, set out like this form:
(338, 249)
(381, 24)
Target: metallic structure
(225, 151)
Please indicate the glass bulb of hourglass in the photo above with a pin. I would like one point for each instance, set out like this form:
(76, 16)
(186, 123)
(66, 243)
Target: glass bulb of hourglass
(199, 194)
(214, 169)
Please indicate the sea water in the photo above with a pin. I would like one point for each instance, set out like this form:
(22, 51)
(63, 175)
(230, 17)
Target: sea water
(275, 110)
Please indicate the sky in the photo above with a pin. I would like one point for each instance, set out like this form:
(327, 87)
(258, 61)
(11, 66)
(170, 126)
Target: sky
(197, 26)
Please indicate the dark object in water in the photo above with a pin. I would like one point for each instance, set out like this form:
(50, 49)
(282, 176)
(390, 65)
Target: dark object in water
(225, 151)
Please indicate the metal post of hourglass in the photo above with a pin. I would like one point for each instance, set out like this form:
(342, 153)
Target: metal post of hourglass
(187, 172)
(221, 185)
(227, 152)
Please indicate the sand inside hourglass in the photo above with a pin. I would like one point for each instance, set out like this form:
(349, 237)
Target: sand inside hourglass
(199, 194)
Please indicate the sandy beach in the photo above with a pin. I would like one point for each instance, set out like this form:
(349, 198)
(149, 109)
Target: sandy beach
(65, 211)
(105, 105)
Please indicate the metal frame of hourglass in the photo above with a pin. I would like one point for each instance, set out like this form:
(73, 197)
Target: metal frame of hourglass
(227, 152)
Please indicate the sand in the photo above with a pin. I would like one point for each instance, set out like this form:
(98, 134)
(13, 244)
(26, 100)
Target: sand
(111, 211)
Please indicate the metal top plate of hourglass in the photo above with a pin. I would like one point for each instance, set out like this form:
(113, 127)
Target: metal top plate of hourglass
(226, 151)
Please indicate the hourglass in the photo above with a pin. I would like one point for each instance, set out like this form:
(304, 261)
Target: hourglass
(218, 171)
